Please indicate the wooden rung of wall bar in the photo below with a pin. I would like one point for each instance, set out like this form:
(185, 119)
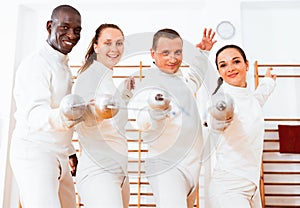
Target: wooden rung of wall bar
(275, 150)
(257, 66)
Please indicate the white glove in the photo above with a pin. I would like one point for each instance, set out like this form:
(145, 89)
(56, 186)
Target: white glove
(72, 109)
(159, 114)
(159, 103)
(129, 86)
(72, 106)
(220, 125)
(221, 111)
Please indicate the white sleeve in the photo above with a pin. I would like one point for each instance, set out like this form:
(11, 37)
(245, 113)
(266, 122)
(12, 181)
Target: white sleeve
(265, 88)
(198, 67)
(59, 122)
(199, 63)
(32, 93)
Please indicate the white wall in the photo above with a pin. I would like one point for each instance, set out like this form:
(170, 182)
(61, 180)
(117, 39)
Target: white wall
(270, 37)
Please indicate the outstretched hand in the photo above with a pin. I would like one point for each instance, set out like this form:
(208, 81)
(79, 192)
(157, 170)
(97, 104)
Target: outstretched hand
(269, 74)
(207, 41)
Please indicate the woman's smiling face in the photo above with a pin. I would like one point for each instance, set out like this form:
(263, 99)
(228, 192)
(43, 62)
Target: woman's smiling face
(232, 67)
(110, 47)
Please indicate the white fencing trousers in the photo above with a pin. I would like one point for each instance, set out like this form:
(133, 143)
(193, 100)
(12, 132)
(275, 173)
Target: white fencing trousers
(172, 189)
(230, 191)
(98, 187)
(43, 177)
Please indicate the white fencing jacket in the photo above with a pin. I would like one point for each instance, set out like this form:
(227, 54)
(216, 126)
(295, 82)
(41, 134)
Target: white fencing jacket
(104, 141)
(240, 147)
(177, 140)
(42, 80)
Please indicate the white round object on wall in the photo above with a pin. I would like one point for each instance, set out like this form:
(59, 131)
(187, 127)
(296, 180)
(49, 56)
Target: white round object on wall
(225, 30)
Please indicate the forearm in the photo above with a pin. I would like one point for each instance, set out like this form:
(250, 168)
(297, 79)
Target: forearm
(264, 90)
(45, 119)
(199, 67)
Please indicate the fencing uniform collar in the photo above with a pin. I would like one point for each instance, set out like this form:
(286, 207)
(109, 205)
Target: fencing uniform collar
(58, 55)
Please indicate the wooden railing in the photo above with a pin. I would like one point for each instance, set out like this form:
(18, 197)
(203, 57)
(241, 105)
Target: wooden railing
(280, 173)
